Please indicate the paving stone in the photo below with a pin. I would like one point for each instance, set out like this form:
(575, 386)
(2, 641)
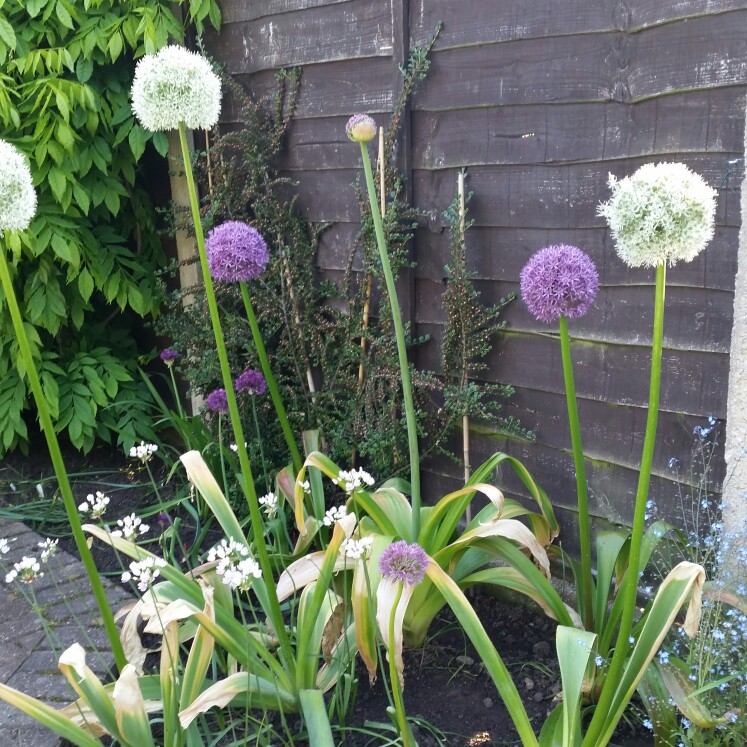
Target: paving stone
(28, 736)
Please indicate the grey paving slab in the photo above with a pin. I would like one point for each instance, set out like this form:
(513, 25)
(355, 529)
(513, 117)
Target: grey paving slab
(31, 649)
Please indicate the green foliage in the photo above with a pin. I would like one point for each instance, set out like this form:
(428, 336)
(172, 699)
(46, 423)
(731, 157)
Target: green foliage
(92, 251)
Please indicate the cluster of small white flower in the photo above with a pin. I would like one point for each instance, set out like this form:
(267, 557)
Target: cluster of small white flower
(4, 546)
(48, 549)
(94, 505)
(304, 485)
(130, 527)
(338, 513)
(270, 504)
(26, 571)
(236, 567)
(235, 449)
(144, 452)
(144, 572)
(352, 480)
(356, 548)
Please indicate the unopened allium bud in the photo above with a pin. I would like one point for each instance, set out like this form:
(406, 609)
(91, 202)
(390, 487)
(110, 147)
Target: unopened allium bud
(361, 128)
(17, 193)
(236, 252)
(175, 85)
(559, 281)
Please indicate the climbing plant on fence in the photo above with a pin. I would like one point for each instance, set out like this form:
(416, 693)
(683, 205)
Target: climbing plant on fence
(85, 269)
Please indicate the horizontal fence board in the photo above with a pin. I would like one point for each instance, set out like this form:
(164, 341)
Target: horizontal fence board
(234, 11)
(356, 29)
(644, 14)
(326, 195)
(692, 382)
(329, 89)
(565, 195)
(696, 122)
(499, 254)
(698, 320)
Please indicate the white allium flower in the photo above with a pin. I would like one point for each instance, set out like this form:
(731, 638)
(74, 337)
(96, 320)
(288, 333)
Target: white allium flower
(334, 514)
(305, 486)
(26, 571)
(356, 548)
(17, 193)
(351, 480)
(663, 213)
(130, 527)
(144, 571)
(95, 505)
(144, 452)
(4, 546)
(270, 503)
(48, 549)
(175, 85)
(235, 566)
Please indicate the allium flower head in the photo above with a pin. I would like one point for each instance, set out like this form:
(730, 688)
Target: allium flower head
(663, 213)
(236, 252)
(175, 85)
(144, 452)
(17, 193)
(4, 546)
(27, 571)
(130, 527)
(361, 128)
(252, 382)
(48, 549)
(559, 281)
(352, 480)
(217, 401)
(95, 505)
(168, 356)
(270, 504)
(335, 514)
(235, 565)
(144, 572)
(404, 562)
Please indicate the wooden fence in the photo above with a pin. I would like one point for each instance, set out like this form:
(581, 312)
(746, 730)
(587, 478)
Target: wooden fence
(539, 101)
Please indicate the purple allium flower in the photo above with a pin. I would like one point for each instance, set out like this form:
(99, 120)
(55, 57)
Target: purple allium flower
(236, 252)
(168, 356)
(252, 382)
(559, 281)
(217, 401)
(163, 519)
(361, 128)
(403, 562)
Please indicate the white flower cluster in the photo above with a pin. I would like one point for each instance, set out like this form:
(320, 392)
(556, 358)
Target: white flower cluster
(17, 193)
(144, 572)
(305, 485)
(175, 85)
(4, 546)
(95, 505)
(130, 527)
(26, 571)
(356, 548)
(144, 452)
(663, 213)
(48, 549)
(351, 480)
(334, 514)
(270, 504)
(236, 567)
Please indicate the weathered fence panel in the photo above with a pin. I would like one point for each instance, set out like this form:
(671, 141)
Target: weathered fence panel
(539, 102)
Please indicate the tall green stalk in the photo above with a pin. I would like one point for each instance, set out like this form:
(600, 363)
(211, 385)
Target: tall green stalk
(399, 704)
(247, 483)
(59, 466)
(630, 584)
(412, 428)
(264, 362)
(584, 528)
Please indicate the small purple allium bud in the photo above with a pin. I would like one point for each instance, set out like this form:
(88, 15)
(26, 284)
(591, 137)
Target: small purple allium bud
(163, 519)
(403, 562)
(217, 401)
(236, 252)
(252, 382)
(559, 281)
(168, 356)
(361, 128)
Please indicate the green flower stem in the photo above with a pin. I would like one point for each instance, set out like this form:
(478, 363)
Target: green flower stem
(630, 583)
(412, 428)
(264, 362)
(584, 528)
(274, 612)
(59, 466)
(399, 705)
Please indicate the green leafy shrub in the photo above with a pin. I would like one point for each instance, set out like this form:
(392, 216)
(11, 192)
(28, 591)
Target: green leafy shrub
(85, 269)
